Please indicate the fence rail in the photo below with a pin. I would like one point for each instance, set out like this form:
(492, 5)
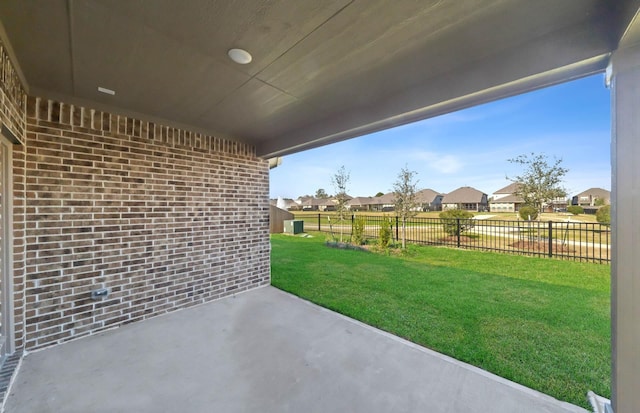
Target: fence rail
(578, 241)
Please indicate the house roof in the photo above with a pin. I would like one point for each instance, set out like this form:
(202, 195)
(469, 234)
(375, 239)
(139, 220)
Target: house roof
(361, 200)
(317, 202)
(386, 199)
(596, 193)
(509, 189)
(320, 72)
(462, 195)
(426, 195)
(304, 198)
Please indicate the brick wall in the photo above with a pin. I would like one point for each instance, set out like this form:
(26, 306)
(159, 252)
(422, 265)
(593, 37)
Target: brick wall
(162, 217)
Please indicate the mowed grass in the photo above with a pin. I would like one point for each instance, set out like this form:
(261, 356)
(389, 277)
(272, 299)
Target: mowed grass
(540, 322)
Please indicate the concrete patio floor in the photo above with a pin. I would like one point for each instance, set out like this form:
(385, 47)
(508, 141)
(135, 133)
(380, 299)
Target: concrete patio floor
(260, 351)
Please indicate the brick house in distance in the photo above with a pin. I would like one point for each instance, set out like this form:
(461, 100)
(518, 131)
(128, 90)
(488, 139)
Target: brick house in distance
(429, 200)
(360, 203)
(466, 198)
(384, 203)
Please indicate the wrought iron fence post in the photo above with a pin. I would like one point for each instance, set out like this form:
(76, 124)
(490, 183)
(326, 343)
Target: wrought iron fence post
(458, 230)
(397, 236)
(550, 239)
(318, 222)
(352, 220)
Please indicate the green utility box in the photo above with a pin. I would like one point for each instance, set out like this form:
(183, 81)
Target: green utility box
(293, 226)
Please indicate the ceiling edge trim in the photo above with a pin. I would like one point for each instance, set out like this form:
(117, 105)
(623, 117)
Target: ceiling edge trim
(527, 84)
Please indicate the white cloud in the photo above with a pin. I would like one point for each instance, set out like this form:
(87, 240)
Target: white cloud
(446, 164)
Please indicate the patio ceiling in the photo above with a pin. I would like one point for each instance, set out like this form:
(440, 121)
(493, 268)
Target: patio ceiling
(322, 71)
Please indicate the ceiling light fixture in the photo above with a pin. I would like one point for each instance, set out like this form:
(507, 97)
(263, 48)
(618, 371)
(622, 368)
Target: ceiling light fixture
(106, 91)
(240, 56)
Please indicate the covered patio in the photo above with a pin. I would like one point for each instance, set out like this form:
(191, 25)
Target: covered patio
(134, 173)
(259, 351)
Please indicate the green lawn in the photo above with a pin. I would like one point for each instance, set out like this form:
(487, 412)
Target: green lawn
(540, 322)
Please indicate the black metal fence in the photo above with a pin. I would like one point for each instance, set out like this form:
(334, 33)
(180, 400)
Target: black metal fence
(564, 239)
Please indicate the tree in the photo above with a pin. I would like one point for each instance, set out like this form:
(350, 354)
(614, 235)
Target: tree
(404, 199)
(358, 231)
(456, 221)
(321, 194)
(528, 213)
(603, 215)
(599, 202)
(384, 236)
(340, 181)
(575, 209)
(540, 182)
(378, 195)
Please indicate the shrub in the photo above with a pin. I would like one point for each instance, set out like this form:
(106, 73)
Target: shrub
(603, 215)
(450, 223)
(358, 231)
(575, 209)
(528, 213)
(384, 236)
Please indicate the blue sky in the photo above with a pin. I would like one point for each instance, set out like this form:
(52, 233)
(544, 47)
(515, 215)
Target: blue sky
(470, 147)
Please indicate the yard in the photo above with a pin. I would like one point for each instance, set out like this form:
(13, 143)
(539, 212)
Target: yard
(539, 322)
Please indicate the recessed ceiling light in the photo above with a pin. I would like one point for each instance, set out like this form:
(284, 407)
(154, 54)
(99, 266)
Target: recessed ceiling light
(107, 91)
(240, 56)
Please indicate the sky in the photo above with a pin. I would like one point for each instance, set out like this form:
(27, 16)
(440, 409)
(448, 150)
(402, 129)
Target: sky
(471, 147)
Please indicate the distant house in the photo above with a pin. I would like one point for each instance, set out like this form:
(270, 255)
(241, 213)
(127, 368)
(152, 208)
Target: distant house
(429, 200)
(326, 204)
(303, 201)
(384, 203)
(307, 204)
(291, 205)
(505, 200)
(320, 204)
(467, 198)
(315, 204)
(590, 197)
(360, 203)
(557, 204)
